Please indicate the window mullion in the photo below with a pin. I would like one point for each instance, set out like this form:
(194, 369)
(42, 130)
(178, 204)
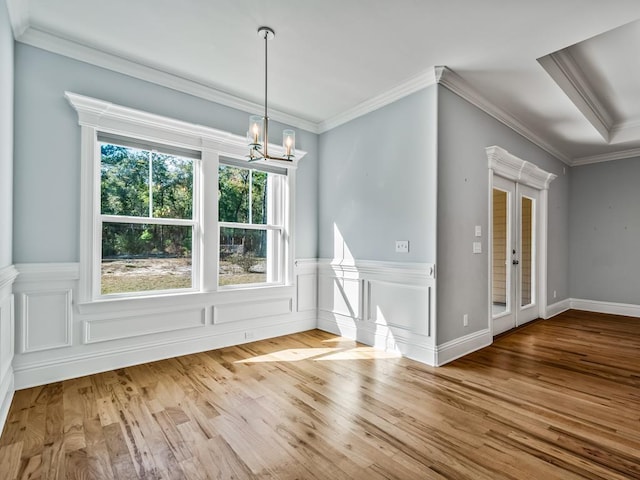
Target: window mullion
(150, 184)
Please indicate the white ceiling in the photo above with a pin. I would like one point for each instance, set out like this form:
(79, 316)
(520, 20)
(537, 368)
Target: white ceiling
(334, 59)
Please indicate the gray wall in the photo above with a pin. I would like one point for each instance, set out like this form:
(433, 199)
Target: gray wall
(464, 132)
(47, 149)
(605, 232)
(6, 135)
(378, 182)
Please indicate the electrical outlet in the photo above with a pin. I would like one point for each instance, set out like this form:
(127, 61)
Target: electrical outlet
(248, 335)
(478, 230)
(465, 320)
(554, 294)
(402, 246)
(477, 247)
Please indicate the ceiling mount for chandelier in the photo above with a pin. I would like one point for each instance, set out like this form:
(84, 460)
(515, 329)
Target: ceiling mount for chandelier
(258, 134)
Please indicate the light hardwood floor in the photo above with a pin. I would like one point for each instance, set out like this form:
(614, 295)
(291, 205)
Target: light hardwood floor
(556, 400)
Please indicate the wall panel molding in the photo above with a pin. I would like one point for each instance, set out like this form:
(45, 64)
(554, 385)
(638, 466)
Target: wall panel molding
(46, 319)
(61, 339)
(8, 275)
(116, 328)
(384, 304)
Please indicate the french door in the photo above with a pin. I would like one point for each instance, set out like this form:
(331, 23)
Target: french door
(514, 273)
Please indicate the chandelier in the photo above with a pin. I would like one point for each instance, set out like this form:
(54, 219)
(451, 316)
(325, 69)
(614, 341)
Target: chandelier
(258, 134)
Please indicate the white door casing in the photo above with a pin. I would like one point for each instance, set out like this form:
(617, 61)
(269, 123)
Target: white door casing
(520, 179)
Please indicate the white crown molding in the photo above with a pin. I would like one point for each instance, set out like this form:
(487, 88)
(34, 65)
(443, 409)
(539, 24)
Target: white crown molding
(18, 16)
(418, 82)
(606, 157)
(513, 168)
(30, 35)
(121, 64)
(451, 80)
(568, 75)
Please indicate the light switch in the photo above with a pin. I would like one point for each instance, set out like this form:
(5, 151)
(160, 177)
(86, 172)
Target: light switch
(477, 247)
(478, 230)
(402, 246)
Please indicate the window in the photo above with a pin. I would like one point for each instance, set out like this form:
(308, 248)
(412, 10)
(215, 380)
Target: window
(169, 207)
(146, 218)
(251, 223)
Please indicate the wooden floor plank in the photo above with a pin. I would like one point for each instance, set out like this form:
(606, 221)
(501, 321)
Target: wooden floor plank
(558, 399)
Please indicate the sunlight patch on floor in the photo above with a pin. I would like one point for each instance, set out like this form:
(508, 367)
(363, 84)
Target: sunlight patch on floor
(321, 354)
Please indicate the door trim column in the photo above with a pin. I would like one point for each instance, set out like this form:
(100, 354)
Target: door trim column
(504, 164)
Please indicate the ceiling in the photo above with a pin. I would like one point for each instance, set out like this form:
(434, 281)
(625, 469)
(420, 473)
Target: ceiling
(564, 73)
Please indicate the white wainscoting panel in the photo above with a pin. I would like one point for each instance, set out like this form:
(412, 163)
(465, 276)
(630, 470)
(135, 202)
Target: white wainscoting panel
(127, 327)
(8, 275)
(46, 319)
(399, 305)
(113, 333)
(342, 296)
(234, 312)
(7, 333)
(387, 305)
(307, 292)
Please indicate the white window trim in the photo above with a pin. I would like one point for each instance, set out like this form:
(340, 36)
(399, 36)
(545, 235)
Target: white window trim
(100, 116)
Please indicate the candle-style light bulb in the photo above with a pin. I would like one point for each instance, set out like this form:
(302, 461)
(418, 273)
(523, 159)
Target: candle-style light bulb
(255, 123)
(289, 143)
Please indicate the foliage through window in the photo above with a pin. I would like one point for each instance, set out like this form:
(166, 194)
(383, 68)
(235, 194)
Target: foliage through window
(146, 215)
(250, 224)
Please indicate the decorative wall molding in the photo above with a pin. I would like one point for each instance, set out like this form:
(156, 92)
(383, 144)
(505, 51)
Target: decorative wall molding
(606, 157)
(8, 275)
(384, 304)
(29, 373)
(7, 389)
(612, 308)
(513, 168)
(118, 62)
(564, 70)
(60, 339)
(557, 308)
(119, 327)
(18, 16)
(461, 87)
(53, 305)
(449, 351)
(41, 272)
(107, 116)
(248, 310)
(412, 85)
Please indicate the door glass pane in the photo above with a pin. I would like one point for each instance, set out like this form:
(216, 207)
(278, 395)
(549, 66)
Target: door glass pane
(526, 251)
(499, 290)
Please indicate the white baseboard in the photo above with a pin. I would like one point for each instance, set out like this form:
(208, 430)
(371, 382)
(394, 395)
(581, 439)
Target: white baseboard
(449, 351)
(557, 308)
(7, 390)
(612, 308)
(382, 338)
(39, 373)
